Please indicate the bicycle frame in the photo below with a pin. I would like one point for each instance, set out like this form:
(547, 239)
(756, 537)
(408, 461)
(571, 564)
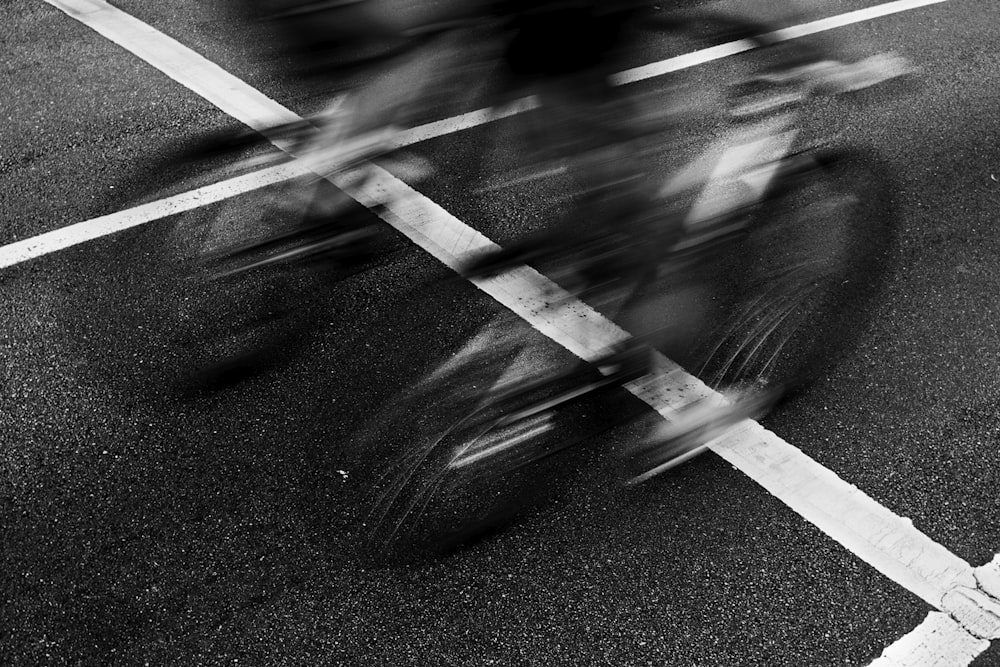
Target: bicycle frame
(729, 177)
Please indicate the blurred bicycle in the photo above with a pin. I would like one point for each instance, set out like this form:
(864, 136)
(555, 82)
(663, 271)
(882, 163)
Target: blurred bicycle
(751, 266)
(742, 266)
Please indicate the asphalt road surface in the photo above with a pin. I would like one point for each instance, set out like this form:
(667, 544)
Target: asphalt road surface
(138, 526)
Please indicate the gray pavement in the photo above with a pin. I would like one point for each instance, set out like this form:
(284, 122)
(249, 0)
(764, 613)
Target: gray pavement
(142, 528)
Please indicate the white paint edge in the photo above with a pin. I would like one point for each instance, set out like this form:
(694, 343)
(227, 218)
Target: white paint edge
(988, 577)
(938, 641)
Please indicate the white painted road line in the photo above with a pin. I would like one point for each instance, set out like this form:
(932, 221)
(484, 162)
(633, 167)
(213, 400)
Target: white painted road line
(676, 64)
(88, 230)
(732, 48)
(938, 641)
(888, 542)
(199, 74)
(143, 41)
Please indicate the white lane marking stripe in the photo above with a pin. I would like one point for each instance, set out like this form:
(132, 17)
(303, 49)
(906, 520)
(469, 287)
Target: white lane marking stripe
(465, 121)
(937, 642)
(952, 641)
(874, 533)
(143, 41)
(105, 225)
(180, 63)
(739, 46)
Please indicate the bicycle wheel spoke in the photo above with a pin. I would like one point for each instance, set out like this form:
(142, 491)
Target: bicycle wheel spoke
(768, 326)
(421, 499)
(753, 329)
(764, 337)
(507, 440)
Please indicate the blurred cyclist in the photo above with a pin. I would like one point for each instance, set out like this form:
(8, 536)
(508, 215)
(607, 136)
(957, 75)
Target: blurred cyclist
(563, 52)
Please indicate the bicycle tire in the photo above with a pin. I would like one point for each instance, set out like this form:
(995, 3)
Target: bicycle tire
(240, 291)
(796, 290)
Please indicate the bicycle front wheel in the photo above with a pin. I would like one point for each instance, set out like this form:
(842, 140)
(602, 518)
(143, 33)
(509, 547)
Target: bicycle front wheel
(796, 290)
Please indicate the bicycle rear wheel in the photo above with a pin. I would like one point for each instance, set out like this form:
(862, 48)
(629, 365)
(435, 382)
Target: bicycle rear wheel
(244, 274)
(795, 291)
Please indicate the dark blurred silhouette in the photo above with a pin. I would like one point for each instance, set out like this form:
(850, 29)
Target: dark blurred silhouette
(619, 227)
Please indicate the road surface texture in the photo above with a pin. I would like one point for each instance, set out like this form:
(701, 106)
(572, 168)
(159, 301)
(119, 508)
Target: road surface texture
(144, 527)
